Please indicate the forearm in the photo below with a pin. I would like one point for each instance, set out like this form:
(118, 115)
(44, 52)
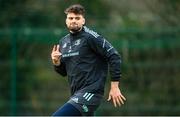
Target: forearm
(115, 70)
(60, 69)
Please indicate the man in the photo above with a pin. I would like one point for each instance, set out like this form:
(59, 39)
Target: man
(84, 56)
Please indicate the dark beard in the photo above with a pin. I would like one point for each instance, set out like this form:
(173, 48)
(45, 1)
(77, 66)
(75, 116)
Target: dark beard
(74, 29)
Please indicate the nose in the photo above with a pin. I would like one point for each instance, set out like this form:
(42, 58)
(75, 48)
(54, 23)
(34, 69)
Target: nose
(73, 20)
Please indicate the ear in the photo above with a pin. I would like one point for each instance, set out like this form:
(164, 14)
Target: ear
(66, 21)
(84, 21)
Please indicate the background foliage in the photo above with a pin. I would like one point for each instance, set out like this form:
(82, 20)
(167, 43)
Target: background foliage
(145, 32)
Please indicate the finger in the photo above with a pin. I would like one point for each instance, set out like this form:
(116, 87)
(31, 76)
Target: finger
(54, 48)
(120, 99)
(109, 98)
(123, 97)
(57, 54)
(57, 48)
(114, 102)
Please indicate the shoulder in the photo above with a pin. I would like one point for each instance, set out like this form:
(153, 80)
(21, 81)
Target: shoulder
(93, 37)
(65, 38)
(91, 33)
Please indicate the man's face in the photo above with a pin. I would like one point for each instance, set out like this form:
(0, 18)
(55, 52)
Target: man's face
(74, 22)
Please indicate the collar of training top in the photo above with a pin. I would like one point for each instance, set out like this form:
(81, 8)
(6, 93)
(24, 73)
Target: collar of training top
(76, 33)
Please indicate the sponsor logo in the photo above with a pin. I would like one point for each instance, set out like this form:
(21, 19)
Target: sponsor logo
(70, 54)
(75, 100)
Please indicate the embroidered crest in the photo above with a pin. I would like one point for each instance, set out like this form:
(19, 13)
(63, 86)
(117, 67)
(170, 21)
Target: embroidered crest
(77, 42)
(85, 108)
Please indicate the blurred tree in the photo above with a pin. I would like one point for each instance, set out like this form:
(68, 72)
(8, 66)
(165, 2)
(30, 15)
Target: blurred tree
(167, 11)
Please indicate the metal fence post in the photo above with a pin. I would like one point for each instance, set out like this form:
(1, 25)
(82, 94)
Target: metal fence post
(13, 73)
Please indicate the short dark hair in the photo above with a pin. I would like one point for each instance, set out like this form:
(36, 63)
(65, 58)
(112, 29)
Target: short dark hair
(76, 9)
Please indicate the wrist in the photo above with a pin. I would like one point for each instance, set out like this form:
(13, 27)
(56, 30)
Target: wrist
(56, 62)
(114, 84)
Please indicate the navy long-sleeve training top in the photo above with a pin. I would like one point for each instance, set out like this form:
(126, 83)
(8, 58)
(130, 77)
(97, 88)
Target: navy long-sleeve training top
(85, 59)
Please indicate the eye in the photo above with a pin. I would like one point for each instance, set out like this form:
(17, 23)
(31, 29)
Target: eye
(70, 18)
(77, 18)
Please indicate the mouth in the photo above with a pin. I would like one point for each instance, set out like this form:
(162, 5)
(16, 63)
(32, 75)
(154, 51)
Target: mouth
(73, 24)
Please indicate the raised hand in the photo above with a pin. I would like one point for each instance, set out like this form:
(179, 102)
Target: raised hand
(56, 55)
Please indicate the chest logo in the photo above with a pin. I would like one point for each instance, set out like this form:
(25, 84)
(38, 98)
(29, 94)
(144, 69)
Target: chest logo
(77, 42)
